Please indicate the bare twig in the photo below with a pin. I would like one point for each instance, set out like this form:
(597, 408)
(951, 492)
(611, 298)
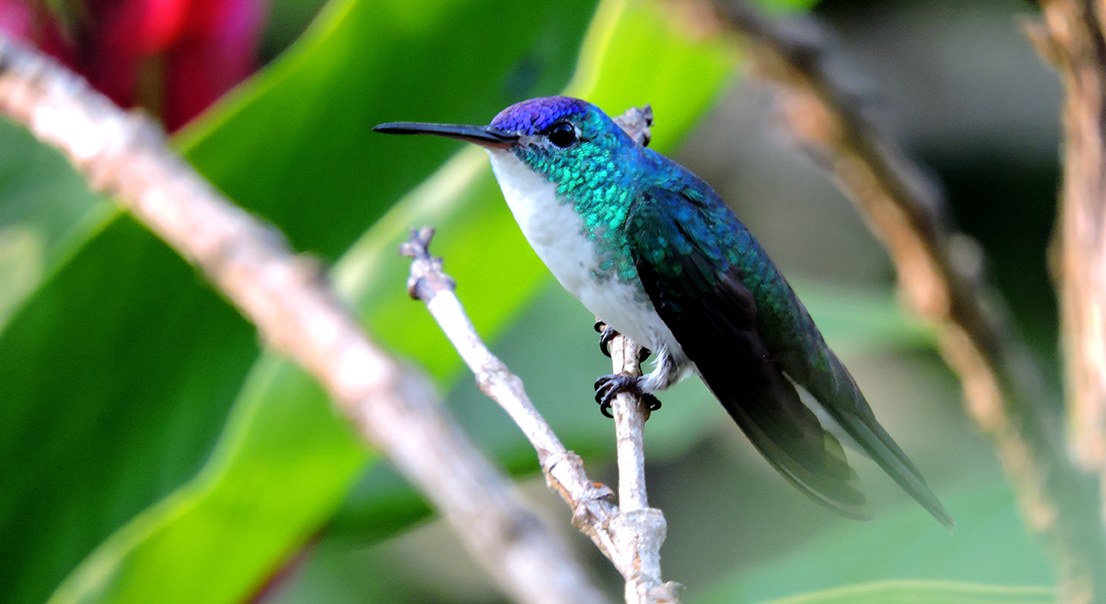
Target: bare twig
(940, 273)
(393, 408)
(646, 526)
(637, 121)
(629, 537)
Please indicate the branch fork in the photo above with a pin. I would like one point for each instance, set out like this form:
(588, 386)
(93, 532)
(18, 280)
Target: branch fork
(629, 534)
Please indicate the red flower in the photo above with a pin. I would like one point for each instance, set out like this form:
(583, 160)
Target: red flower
(173, 57)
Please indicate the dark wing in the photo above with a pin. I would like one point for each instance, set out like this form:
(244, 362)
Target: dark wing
(702, 298)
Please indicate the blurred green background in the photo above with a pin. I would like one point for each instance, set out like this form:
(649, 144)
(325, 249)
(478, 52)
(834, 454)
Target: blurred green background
(151, 450)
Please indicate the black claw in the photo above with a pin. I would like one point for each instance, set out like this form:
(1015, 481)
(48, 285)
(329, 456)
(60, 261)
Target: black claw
(609, 386)
(605, 338)
(606, 334)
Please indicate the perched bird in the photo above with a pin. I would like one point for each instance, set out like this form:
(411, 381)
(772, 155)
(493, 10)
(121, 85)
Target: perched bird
(653, 252)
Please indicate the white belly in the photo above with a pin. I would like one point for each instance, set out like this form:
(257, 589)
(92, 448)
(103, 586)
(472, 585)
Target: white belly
(555, 231)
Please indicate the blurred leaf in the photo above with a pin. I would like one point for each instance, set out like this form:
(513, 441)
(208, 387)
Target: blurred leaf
(989, 546)
(107, 406)
(286, 22)
(45, 211)
(84, 443)
(295, 145)
(784, 7)
(231, 524)
(924, 592)
(164, 356)
(862, 319)
(270, 468)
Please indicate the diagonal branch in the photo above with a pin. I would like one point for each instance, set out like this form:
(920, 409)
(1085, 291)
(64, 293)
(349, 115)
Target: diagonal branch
(941, 277)
(393, 408)
(630, 536)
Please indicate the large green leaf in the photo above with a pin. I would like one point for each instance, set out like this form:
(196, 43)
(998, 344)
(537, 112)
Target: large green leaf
(83, 444)
(211, 524)
(99, 418)
(124, 363)
(321, 175)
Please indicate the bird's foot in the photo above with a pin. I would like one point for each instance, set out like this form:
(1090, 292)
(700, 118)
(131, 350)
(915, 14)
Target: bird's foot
(609, 386)
(607, 333)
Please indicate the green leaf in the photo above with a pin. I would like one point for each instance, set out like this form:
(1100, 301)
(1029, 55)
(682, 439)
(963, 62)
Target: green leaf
(112, 398)
(924, 592)
(785, 7)
(231, 523)
(296, 146)
(46, 210)
(83, 443)
(222, 526)
(125, 364)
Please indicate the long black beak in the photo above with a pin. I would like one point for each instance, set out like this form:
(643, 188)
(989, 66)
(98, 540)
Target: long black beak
(485, 136)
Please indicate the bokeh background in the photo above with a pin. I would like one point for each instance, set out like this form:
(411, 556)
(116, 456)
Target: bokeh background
(150, 450)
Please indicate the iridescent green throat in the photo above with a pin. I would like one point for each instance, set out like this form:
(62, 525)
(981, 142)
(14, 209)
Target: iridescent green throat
(597, 176)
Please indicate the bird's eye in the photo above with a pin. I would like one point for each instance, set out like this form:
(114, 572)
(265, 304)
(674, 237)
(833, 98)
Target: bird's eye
(562, 134)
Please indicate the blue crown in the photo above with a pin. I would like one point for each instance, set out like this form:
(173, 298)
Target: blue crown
(535, 115)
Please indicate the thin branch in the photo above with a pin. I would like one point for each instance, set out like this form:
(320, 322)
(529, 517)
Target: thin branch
(629, 537)
(394, 408)
(647, 526)
(941, 275)
(630, 416)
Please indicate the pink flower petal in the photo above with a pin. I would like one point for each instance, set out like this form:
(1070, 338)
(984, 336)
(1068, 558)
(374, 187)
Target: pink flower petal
(15, 20)
(217, 49)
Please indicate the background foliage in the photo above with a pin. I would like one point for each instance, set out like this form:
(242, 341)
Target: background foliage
(151, 450)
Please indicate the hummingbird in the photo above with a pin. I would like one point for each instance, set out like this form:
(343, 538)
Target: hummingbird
(655, 254)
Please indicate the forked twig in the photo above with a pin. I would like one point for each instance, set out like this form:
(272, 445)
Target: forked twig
(630, 536)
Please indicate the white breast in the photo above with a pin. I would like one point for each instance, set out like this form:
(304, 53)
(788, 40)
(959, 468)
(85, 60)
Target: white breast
(555, 230)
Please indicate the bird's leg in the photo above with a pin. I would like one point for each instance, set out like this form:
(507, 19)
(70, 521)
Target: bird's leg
(609, 386)
(607, 333)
